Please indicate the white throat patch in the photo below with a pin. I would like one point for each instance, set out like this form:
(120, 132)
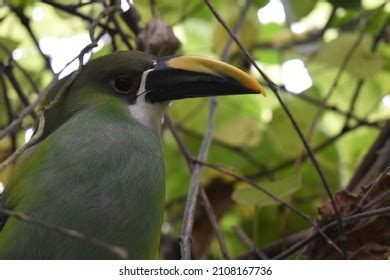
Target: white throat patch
(148, 114)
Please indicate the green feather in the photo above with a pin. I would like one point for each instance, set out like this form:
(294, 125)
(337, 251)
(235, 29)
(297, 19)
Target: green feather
(94, 174)
(94, 169)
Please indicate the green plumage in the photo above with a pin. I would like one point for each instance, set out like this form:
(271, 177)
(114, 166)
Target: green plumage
(94, 172)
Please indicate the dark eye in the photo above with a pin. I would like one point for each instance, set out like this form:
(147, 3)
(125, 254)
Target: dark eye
(122, 85)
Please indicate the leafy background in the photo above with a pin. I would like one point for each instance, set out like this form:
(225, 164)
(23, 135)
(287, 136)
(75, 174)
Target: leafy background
(337, 88)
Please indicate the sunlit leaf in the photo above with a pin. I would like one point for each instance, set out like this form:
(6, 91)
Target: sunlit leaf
(297, 9)
(362, 64)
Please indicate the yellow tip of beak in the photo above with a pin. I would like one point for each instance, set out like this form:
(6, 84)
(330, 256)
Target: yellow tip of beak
(216, 67)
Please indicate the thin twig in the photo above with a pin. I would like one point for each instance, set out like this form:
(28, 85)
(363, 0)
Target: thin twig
(10, 113)
(18, 89)
(206, 203)
(113, 9)
(290, 162)
(369, 159)
(236, 28)
(332, 89)
(83, 4)
(353, 102)
(373, 185)
(173, 128)
(376, 201)
(116, 250)
(265, 171)
(26, 23)
(21, 69)
(223, 144)
(122, 35)
(332, 108)
(214, 222)
(349, 219)
(248, 242)
(274, 197)
(378, 101)
(72, 11)
(153, 8)
(337, 79)
(378, 37)
(192, 196)
(189, 211)
(62, 91)
(313, 35)
(15, 124)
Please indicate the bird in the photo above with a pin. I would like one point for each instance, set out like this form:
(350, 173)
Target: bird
(97, 166)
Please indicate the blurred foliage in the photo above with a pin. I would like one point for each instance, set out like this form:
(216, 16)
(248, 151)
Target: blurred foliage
(252, 134)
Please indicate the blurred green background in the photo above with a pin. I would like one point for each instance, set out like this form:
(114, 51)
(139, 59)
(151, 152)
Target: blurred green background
(314, 50)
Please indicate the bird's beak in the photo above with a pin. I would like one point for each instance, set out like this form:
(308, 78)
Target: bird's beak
(189, 76)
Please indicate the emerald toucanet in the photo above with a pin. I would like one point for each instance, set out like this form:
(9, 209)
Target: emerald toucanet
(98, 166)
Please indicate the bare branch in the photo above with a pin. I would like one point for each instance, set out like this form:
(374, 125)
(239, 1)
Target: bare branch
(369, 159)
(14, 125)
(192, 195)
(214, 222)
(189, 212)
(349, 219)
(206, 203)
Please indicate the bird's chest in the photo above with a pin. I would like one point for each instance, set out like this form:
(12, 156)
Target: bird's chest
(118, 171)
(105, 180)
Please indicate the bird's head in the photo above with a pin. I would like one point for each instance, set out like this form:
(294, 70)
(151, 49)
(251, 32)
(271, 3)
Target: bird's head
(146, 85)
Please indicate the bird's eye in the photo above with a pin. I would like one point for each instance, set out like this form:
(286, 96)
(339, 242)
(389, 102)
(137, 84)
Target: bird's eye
(122, 85)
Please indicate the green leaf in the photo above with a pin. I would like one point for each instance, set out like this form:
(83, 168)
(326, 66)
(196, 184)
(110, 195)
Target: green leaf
(282, 189)
(354, 146)
(281, 131)
(194, 34)
(329, 161)
(297, 9)
(234, 112)
(341, 20)
(376, 20)
(246, 131)
(9, 44)
(270, 56)
(260, 3)
(248, 34)
(363, 63)
(23, 3)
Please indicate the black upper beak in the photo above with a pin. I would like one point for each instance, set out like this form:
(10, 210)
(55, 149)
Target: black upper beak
(189, 76)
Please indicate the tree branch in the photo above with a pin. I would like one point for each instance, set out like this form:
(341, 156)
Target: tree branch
(307, 146)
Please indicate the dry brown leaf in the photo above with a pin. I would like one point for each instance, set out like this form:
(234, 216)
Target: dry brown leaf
(367, 238)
